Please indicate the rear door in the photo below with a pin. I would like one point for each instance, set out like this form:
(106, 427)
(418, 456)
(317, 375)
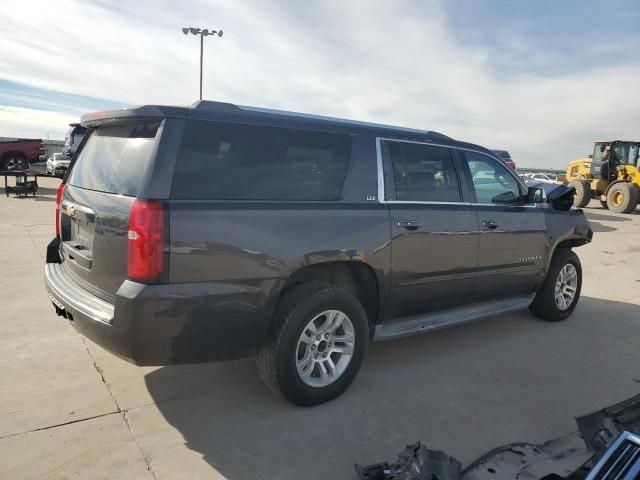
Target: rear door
(512, 235)
(434, 231)
(100, 190)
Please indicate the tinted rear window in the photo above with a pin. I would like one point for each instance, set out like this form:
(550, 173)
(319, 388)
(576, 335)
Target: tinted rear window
(219, 161)
(114, 158)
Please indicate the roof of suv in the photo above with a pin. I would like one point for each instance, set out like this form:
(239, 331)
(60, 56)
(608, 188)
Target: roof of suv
(220, 111)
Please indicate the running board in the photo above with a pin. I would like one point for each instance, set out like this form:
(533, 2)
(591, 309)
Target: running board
(448, 318)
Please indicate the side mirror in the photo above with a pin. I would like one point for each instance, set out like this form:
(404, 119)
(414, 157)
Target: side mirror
(535, 195)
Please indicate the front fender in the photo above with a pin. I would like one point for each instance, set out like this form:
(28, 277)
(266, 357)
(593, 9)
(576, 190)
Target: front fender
(566, 228)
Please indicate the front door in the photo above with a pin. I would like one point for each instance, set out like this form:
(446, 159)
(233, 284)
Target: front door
(434, 233)
(512, 234)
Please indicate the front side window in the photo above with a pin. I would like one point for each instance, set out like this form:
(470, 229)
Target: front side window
(492, 181)
(226, 161)
(421, 172)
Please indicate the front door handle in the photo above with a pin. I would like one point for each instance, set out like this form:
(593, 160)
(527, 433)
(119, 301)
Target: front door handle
(409, 224)
(489, 225)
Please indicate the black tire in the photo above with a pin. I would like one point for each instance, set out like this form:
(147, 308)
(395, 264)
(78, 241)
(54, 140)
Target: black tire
(583, 193)
(604, 204)
(277, 359)
(544, 304)
(623, 197)
(14, 161)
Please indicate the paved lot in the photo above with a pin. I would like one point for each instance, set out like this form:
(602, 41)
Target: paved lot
(70, 410)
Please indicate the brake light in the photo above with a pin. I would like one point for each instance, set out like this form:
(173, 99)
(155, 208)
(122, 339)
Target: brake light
(145, 260)
(58, 201)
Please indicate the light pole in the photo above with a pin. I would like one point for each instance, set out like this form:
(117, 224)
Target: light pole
(202, 33)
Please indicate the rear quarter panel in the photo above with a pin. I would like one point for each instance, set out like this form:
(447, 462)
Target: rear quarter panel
(249, 243)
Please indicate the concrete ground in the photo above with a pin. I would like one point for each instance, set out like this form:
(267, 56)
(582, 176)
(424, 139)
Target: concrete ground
(71, 410)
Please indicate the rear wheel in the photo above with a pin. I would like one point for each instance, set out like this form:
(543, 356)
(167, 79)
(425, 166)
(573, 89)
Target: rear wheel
(582, 196)
(317, 345)
(15, 161)
(559, 294)
(623, 197)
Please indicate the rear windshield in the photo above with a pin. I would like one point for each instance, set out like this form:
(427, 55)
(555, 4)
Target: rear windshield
(219, 161)
(114, 158)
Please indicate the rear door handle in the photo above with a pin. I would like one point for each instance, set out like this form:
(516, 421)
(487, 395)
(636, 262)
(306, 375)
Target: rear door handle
(489, 225)
(410, 224)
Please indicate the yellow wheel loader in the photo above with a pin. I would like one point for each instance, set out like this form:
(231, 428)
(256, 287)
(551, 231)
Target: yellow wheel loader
(611, 175)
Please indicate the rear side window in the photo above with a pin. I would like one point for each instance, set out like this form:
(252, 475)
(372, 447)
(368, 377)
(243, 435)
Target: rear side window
(219, 161)
(422, 172)
(114, 159)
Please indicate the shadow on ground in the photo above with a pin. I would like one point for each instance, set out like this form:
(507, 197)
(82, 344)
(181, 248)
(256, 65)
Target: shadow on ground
(600, 228)
(43, 194)
(47, 191)
(463, 390)
(606, 218)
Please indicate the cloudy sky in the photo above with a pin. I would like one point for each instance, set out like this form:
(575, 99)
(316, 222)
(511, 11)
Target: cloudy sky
(541, 78)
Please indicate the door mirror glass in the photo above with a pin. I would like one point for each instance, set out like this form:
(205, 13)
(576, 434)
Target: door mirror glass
(535, 195)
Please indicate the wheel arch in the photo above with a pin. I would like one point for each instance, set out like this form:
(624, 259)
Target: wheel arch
(615, 182)
(8, 155)
(567, 241)
(357, 277)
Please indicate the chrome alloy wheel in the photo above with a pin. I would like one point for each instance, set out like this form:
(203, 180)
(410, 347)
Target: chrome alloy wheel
(566, 286)
(325, 348)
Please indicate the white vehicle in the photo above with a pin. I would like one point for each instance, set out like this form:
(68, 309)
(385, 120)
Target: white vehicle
(57, 164)
(538, 177)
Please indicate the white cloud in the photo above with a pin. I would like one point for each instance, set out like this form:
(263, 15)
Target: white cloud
(392, 62)
(30, 123)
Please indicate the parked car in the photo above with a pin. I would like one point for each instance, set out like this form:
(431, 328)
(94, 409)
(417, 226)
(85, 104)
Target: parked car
(17, 154)
(57, 164)
(219, 231)
(538, 177)
(506, 158)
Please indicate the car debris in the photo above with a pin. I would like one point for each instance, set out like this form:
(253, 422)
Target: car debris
(416, 462)
(606, 436)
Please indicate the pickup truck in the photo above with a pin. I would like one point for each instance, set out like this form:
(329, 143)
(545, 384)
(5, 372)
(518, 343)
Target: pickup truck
(16, 154)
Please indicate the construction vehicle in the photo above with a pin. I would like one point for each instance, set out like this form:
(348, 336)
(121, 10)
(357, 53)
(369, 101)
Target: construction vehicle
(611, 175)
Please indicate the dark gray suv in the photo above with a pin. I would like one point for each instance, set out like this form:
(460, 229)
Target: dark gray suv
(219, 231)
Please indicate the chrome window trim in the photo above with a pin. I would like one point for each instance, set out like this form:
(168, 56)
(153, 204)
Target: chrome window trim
(382, 194)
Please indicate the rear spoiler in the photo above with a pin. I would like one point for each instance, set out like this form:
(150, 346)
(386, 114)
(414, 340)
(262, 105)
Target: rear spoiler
(94, 119)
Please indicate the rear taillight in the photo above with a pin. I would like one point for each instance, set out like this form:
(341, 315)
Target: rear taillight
(58, 201)
(145, 259)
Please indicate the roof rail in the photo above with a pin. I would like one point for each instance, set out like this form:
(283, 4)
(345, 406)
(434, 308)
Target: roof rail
(211, 106)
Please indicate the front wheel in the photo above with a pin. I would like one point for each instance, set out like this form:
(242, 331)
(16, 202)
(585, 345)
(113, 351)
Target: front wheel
(559, 294)
(623, 197)
(583, 194)
(317, 345)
